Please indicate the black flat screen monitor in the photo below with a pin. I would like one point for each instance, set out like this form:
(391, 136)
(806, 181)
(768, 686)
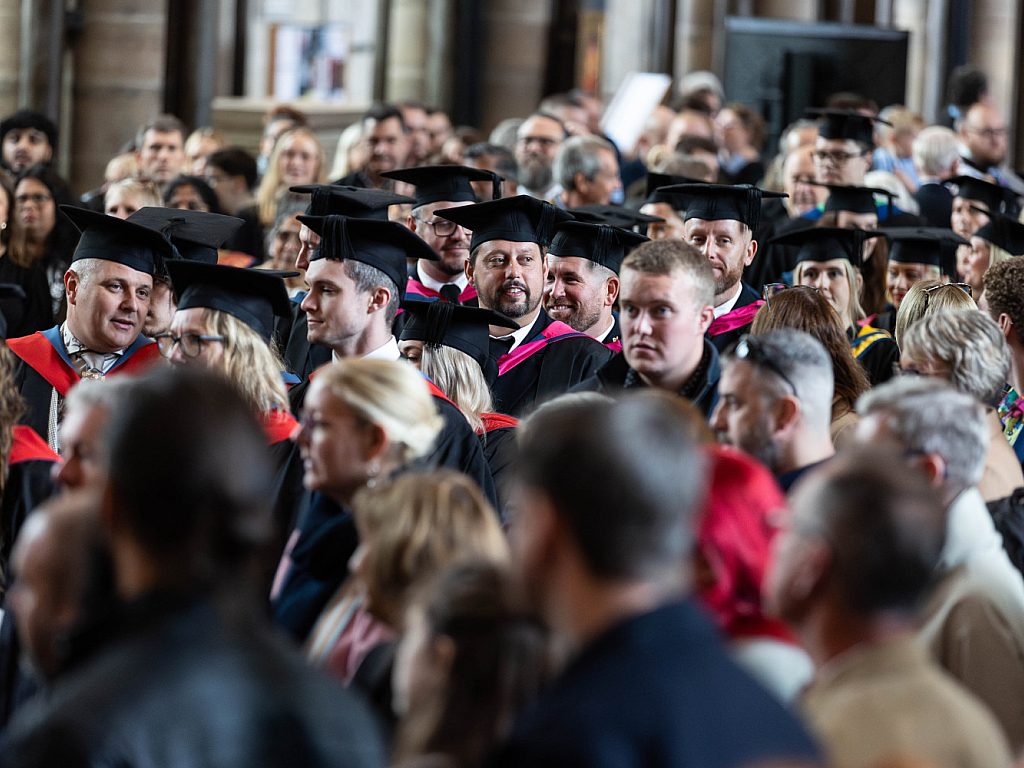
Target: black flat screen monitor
(781, 68)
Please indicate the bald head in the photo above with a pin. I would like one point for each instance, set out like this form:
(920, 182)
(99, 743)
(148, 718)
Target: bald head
(984, 133)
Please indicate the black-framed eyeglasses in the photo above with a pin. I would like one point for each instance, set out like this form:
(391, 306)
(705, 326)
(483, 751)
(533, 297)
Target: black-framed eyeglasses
(933, 288)
(771, 290)
(441, 227)
(749, 348)
(838, 157)
(191, 343)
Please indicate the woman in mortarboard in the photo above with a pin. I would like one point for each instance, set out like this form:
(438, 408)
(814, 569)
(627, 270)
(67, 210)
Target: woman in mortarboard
(449, 343)
(827, 259)
(225, 322)
(1000, 239)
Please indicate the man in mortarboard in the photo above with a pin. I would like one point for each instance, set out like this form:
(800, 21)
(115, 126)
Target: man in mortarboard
(667, 289)
(302, 357)
(973, 199)
(582, 282)
(916, 254)
(439, 187)
(196, 235)
(108, 287)
(664, 205)
(720, 222)
(545, 357)
(846, 139)
(998, 240)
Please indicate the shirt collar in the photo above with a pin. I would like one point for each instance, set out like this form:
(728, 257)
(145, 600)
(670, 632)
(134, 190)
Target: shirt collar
(461, 280)
(386, 351)
(73, 346)
(727, 306)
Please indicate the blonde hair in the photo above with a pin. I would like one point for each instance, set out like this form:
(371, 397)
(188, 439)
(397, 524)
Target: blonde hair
(391, 395)
(196, 137)
(272, 188)
(252, 365)
(854, 311)
(460, 378)
(143, 191)
(921, 302)
(417, 525)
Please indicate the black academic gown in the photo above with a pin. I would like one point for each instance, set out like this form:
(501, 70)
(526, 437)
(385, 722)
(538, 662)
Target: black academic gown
(44, 365)
(501, 451)
(552, 360)
(301, 357)
(614, 338)
(192, 681)
(936, 203)
(727, 329)
(616, 376)
(29, 483)
(875, 351)
(656, 690)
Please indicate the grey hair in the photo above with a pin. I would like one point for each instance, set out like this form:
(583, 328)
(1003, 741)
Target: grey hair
(927, 415)
(368, 278)
(85, 269)
(579, 155)
(803, 360)
(969, 345)
(935, 149)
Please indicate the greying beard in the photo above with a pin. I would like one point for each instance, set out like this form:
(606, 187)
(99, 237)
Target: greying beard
(536, 176)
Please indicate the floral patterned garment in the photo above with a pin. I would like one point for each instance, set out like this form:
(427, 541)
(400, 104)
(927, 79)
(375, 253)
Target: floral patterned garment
(1011, 416)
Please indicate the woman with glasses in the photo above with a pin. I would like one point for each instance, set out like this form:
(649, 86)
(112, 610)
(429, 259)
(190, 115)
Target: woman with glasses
(807, 309)
(927, 297)
(225, 322)
(1000, 239)
(828, 259)
(43, 240)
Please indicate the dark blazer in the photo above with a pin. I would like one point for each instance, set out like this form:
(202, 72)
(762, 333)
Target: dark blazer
(936, 203)
(656, 690)
(723, 341)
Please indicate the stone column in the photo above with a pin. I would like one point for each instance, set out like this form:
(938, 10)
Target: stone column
(10, 50)
(118, 80)
(695, 36)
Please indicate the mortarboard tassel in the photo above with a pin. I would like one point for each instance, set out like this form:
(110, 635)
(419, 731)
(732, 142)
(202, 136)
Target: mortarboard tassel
(439, 318)
(335, 242)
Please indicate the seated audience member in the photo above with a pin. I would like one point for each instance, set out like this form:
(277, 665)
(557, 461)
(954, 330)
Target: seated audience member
(734, 542)
(587, 170)
(852, 568)
(666, 300)
(829, 260)
(807, 309)
(297, 160)
(191, 193)
(410, 530)
(159, 149)
(199, 145)
(231, 174)
(926, 298)
(973, 623)
(387, 142)
(967, 349)
(26, 138)
(102, 333)
(895, 145)
(467, 664)
(449, 344)
(362, 421)
(224, 322)
(740, 132)
(775, 402)
(600, 557)
(278, 119)
(190, 620)
(935, 153)
(916, 255)
(496, 159)
(282, 249)
(538, 138)
(125, 197)
(973, 200)
(544, 357)
(1000, 239)
(1004, 294)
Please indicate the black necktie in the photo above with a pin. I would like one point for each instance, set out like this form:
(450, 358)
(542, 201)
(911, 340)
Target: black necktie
(499, 347)
(450, 292)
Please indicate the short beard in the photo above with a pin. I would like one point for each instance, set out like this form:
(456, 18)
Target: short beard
(581, 319)
(535, 175)
(519, 309)
(450, 269)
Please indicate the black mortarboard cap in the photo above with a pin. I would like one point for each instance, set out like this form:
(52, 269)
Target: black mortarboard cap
(196, 234)
(923, 245)
(854, 199)
(718, 202)
(123, 242)
(1003, 232)
(354, 202)
(613, 216)
(599, 243)
(12, 298)
(656, 181)
(996, 198)
(846, 124)
(385, 245)
(254, 296)
(825, 244)
(446, 183)
(520, 219)
(454, 325)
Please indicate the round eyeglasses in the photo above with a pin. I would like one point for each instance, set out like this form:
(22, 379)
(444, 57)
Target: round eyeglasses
(191, 343)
